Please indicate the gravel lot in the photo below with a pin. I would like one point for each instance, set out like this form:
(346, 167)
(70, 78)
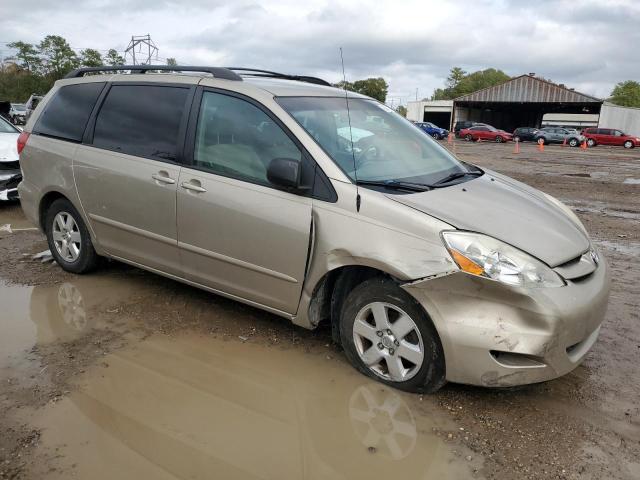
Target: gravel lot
(124, 374)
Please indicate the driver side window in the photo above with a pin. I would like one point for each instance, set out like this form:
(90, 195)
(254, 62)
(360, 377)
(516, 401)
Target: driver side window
(236, 139)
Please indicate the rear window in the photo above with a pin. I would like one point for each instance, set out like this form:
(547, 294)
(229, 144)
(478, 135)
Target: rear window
(141, 120)
(67, 113)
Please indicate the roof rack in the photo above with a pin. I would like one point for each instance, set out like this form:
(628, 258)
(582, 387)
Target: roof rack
(217, 72)
(254, 72)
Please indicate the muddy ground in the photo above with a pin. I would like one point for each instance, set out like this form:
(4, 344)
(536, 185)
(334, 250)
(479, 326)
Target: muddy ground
(124, 374)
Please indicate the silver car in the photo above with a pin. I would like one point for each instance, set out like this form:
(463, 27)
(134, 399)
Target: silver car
(320, 206)
(567, 136)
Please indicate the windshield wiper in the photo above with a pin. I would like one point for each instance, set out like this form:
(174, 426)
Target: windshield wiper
(395, 185)
(457, 175)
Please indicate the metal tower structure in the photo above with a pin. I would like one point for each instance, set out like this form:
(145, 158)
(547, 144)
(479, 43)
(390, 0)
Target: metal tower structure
(141, 50)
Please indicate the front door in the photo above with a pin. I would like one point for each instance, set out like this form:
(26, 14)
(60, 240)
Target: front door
(236, 232)
(127, 177)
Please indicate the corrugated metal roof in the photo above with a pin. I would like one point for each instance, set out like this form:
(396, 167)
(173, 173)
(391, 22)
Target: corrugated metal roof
(528, 89)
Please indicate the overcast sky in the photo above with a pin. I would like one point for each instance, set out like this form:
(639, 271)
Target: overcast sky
(588, 45)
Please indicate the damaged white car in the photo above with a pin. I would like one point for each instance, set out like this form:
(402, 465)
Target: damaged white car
(10, 174)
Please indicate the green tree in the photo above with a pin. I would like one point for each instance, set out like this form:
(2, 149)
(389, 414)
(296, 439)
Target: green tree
(456, 75)
(27, 56)
(172, 62)
(626, 94)
(113, 58)
(461, 83)
(57, 56)
(402, 110)
(91, 58)
(372, 87)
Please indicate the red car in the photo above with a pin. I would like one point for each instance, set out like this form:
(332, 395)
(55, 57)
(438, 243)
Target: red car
(609, 136)
(485, 132)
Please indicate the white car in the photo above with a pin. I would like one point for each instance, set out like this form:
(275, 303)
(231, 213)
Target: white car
(10, 173)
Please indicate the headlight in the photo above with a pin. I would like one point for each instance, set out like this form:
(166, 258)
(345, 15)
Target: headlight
(487, 257)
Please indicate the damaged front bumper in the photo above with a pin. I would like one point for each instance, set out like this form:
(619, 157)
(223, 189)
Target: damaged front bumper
(497, 335)
(10, 177)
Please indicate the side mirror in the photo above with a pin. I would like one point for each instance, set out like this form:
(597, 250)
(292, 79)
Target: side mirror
(285, 173)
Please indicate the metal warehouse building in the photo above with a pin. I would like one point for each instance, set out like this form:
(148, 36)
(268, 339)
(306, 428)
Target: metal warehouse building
(520, 102)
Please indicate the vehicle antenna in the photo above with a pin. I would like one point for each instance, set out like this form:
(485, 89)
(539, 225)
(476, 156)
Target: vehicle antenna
(353, 154)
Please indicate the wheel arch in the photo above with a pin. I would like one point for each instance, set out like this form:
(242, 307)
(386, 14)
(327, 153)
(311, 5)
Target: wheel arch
(46, 201)
(331, 291)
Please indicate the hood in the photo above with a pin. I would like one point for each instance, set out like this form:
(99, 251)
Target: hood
(507, 210)
(8, 147)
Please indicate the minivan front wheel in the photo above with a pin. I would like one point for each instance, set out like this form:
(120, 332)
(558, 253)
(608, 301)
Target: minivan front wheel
(68, 238)
(628, 144)
(388, 336)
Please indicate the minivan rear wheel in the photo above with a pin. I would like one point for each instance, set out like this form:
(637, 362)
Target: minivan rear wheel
(68, 238)
(591, 142)
(388, 336)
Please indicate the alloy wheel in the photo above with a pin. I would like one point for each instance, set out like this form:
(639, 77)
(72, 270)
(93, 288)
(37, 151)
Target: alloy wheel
(66, 237)
(388, 341)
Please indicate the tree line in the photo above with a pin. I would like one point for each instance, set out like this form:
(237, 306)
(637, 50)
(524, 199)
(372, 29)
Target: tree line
(35, 67)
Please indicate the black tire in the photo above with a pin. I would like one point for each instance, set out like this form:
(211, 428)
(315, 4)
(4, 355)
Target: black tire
(573, 142)
(435, 136)
(591, 142)
(87, 259)
(628, 144)
(468, 137)
(430, 375)
(499, 139)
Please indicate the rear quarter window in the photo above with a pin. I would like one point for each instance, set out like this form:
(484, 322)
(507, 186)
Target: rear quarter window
(67, 113)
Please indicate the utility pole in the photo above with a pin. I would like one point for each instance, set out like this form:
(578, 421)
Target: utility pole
(141, 50)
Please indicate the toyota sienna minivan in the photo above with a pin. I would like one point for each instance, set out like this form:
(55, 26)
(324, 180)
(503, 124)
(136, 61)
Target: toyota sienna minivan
(321, 206)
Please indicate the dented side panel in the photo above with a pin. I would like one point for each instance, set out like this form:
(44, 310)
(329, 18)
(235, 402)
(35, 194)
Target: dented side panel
(384, 235)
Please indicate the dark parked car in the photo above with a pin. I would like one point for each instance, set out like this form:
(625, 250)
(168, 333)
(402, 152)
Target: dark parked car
(559, 135)
(461, 125)
(525, 134)
(609, 136)
(433, 130)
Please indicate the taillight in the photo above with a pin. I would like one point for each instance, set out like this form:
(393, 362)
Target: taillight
(22, 141)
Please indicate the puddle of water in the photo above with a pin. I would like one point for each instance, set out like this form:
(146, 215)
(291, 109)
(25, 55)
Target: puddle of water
(196, 406)
(632, 248)
(632, 181)
(42, 314)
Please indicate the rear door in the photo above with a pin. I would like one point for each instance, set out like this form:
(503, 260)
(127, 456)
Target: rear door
(128, 173)
(236, 232)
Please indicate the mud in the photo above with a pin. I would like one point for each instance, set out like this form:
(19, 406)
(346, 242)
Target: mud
(124, 374)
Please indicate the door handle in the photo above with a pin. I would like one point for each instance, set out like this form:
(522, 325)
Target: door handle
(193, 187)
(163, 178)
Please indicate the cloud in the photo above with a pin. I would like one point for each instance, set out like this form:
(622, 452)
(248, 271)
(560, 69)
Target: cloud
(413, 44)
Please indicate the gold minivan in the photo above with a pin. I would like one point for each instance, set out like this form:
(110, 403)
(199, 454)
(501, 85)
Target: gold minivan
(318, 205)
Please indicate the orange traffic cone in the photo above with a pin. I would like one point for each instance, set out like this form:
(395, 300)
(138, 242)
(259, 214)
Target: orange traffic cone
(564, 142)
(450, 138)
(541, 145)
(516, 148)
(583, 145)
(479, 140)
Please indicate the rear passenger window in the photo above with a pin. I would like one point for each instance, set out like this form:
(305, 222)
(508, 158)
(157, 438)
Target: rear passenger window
(237, 139)
(67, 113)
(141, 120)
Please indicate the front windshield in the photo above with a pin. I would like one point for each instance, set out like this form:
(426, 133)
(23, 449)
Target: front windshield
(386, 146)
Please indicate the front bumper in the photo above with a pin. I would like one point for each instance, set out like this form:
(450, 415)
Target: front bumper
(495, 335)
(9, 181)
